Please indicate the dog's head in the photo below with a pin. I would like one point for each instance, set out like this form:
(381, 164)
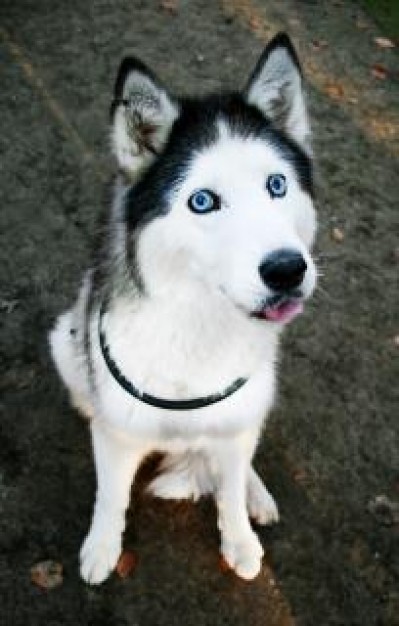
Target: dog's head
(221, 188)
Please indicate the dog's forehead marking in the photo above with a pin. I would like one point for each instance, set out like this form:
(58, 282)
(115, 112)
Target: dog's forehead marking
(234, 160)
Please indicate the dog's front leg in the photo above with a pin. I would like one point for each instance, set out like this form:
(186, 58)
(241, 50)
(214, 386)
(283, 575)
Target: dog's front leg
(116, 463)
(239, 544)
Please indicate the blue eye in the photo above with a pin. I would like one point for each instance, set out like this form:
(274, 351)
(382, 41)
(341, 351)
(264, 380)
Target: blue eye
(277, 185)
(204, 201)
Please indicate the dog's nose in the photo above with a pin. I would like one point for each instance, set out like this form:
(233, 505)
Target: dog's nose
(283, 269)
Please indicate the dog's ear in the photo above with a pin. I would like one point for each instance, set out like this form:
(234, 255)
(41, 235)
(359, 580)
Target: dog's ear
(142, 116)
(275, 88)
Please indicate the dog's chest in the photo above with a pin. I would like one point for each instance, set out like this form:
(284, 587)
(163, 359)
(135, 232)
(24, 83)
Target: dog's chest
(165, 354)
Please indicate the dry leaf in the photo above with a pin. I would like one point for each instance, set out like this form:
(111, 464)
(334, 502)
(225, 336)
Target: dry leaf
(127, 562)
(384, 42)
(335, 90)
(170, 6)
(300, 476)
(223, 565)
(255, 21)
(379, 71)
(47, 574)
(319, 44)
(337, 234)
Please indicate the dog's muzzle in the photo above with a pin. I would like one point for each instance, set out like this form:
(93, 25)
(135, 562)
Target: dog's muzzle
(282, 272)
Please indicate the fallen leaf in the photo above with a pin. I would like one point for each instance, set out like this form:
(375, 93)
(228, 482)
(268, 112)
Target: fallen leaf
(382, 129)
(223, 565)
(255, 22)
(300, 476)
(337, 235)
(379, 71)
(47, 574)
(319, 44)
(384, 42)
(335, 90)
(127, 562)
(170, 6)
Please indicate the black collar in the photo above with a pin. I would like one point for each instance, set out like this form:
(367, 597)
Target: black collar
(161, 403)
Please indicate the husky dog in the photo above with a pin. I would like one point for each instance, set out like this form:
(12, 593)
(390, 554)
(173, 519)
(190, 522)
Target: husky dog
(172, 343)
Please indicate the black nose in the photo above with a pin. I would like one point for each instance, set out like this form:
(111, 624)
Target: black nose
(283, 269)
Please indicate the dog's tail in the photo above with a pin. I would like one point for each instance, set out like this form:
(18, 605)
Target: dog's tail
(183, 476)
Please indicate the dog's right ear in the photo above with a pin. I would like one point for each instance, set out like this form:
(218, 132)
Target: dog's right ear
(142, 116)
(276, 89)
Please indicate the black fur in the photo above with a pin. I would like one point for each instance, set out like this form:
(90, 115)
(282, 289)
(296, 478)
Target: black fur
(194, 130)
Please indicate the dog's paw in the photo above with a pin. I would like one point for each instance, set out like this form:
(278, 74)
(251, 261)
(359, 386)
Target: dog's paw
(99, 555)
(243, 556)
(261, 505)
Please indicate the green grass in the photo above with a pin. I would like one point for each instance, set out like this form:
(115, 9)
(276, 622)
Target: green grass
(386, 12)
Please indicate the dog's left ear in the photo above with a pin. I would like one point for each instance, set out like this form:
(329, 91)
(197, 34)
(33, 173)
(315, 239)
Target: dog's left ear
(275, 88)
(142, 114)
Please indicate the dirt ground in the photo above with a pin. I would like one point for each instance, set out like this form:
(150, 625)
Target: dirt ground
(331, 448)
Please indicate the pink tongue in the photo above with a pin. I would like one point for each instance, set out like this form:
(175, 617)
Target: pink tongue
(283, 313)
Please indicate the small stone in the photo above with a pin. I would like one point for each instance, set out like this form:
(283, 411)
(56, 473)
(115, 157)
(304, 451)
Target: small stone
(337, 234)
(396, 341)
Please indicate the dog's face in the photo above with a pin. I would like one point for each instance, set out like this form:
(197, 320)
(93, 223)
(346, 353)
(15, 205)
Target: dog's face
(222, 187)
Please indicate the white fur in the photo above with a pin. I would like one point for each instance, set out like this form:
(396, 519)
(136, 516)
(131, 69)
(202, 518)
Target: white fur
(192, 335)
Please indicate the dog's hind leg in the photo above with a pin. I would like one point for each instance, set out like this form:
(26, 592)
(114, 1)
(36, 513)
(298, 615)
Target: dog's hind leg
(117, 460)
(261, 505)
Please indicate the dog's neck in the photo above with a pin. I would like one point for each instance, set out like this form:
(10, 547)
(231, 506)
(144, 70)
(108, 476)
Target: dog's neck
(192, 340)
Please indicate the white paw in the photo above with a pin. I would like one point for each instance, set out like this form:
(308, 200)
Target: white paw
(261, 505)
(243, 556)
(99, 555)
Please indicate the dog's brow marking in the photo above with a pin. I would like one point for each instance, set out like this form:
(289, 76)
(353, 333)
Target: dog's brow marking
(38, 85)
